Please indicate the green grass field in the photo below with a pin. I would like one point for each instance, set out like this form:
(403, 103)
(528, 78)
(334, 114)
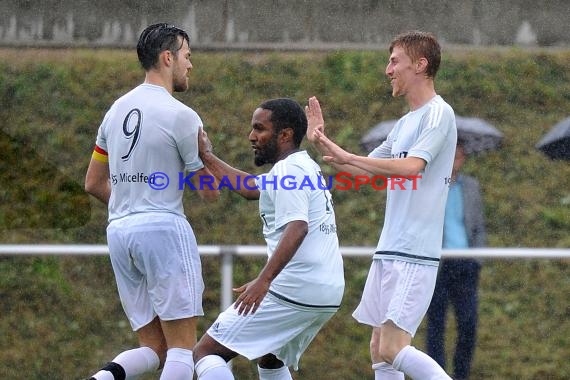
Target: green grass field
(60, 316)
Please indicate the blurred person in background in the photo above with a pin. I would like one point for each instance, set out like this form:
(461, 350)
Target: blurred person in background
(458, 278)
(146, 137)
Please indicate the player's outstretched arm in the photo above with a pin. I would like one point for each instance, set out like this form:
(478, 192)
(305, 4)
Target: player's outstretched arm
(336, 156)
(237, 180)
(253, 292)
(406, 167)
(206, 184)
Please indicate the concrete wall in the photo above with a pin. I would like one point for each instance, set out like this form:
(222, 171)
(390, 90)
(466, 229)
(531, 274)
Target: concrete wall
(285, 23)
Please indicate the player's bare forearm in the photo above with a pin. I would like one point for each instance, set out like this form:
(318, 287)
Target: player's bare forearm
(102, 193)
(97, 181)
(290, 241)
(346, 168)
(253, 292)
(240, 181)
(405, 167)
(355, 164)
(207, 185)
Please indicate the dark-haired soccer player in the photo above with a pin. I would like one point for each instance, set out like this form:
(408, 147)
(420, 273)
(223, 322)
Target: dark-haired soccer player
(277, 314)
(146, 137)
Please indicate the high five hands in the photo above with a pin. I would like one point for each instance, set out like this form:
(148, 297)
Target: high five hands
(314, 119)
(332, 153)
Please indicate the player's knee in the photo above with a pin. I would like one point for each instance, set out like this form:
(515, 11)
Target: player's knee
(394, 339)
(386, 356)
(207, 346)
(375, 346)
(202, 349)
(388, 351)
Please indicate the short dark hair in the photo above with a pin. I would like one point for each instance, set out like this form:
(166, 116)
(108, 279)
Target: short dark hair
(287, 113)
(157, 38)
(418, 44)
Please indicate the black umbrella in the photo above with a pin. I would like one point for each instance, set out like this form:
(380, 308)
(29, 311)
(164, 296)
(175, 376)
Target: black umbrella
(377, 135)
(556, 143)
(476, 134)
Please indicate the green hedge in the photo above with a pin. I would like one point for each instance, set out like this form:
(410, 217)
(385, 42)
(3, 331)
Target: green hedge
(61, 317)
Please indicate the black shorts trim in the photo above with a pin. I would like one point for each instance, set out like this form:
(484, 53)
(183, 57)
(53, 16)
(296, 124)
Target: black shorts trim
(406, 255)
(283, 298)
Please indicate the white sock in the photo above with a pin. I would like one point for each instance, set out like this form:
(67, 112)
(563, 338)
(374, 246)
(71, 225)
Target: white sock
(281, 373)
(418, 365)
(179, 365)
(213, 367)
(385, 371)
(133, 362)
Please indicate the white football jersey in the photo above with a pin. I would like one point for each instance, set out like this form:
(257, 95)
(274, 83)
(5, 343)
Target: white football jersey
(415, 210)
(294, 190)
(152, 140)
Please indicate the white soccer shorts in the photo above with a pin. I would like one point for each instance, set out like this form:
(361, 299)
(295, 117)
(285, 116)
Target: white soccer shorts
(277, 327)
(157, 267)
(398, 291)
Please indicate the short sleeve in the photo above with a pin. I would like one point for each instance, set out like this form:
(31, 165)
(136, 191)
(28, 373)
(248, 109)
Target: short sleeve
(438, 124)
(186, 131)
(291, 197)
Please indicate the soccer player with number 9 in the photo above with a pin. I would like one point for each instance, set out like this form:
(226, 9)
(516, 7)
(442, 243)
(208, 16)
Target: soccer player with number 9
(145, 135)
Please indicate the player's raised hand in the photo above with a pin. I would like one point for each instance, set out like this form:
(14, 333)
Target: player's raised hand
(335, 154)
(314, 119)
